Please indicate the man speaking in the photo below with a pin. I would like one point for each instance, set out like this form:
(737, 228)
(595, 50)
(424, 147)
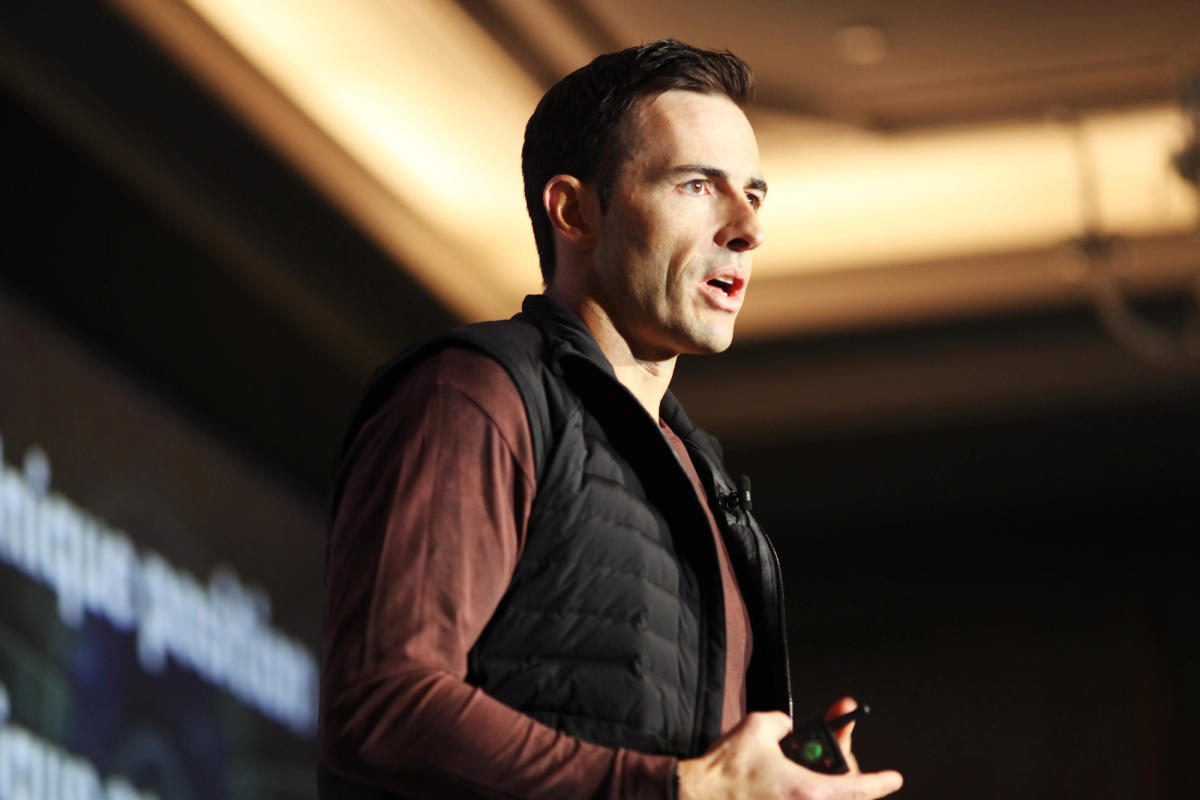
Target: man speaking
(541, 580)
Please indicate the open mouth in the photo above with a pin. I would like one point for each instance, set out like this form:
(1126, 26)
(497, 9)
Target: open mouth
(725, 291)
(724, 284)
(730, 285)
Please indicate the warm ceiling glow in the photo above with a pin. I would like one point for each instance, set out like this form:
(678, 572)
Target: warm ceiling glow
(427, 103)
(411, 116)
(844, 198)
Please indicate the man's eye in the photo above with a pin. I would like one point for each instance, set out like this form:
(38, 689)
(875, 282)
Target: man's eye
(755, 201)
(696, 187)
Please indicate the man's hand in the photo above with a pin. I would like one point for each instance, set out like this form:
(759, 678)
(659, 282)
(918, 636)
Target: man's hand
(845, 706)
(747, 763)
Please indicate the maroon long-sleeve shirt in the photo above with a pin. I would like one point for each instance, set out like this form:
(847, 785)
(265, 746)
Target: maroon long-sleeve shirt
(430, 526)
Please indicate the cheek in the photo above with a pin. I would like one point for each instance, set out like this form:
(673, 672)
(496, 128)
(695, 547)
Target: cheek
(648, 251)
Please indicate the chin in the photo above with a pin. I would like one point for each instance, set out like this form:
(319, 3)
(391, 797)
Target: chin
(700, 337)
(713, 343)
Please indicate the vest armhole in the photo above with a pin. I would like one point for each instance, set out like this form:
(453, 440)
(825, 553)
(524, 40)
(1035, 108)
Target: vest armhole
(516, 346)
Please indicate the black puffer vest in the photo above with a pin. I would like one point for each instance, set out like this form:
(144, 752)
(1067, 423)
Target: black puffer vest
(613, 627)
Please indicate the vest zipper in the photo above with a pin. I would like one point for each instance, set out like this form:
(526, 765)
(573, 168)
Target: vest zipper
(740, 498)
(781, 611)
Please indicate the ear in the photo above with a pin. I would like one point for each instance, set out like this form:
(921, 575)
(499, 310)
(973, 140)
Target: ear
(573, 209)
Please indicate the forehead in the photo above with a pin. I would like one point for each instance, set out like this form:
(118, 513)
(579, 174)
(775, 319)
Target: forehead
(681, 127)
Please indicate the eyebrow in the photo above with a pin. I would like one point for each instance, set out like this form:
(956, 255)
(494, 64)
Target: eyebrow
(719, 175)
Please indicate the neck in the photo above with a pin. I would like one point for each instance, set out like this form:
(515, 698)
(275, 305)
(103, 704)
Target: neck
(646, 378)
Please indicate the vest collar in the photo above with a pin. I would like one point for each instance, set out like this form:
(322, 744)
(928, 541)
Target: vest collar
(568, 336)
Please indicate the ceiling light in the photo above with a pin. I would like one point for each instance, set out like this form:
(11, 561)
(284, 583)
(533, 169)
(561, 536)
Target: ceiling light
(860, 45)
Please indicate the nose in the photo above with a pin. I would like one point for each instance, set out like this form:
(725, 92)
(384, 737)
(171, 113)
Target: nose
(742, 230)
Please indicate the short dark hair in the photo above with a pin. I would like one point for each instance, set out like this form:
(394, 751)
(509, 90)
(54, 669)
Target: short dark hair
(578, 126)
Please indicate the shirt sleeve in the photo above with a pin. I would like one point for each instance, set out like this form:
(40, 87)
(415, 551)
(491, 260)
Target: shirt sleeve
(429, 529)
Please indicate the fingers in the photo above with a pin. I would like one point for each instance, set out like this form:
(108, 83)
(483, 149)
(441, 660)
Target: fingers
(872, 785)
(843, 706)
(747, 762)
(868, 786)
(845, 733)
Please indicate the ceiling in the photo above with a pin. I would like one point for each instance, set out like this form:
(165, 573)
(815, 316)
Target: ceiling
(936, 161)
(932, 169)
(931, 62)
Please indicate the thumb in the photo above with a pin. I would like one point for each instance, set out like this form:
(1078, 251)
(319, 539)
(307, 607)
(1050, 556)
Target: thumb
(772, 725)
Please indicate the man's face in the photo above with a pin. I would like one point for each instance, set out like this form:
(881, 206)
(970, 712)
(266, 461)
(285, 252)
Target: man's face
(672, 259)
